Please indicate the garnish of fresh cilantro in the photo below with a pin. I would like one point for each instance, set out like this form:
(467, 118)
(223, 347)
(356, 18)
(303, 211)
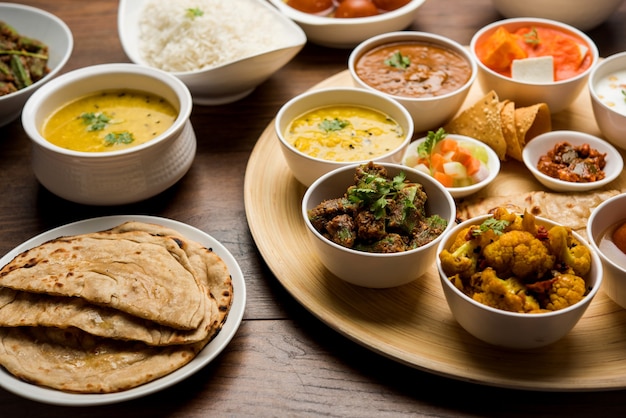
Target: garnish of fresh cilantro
(114, 138)
(397, 60)
(425, 149)
(330, 125)
(194, 12)
(95, 121)
(532, 37)
(496, 225)
(374, 192)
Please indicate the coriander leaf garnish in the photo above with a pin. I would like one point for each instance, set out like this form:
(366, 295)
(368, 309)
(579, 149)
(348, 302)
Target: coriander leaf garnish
(532, 37)
(329, 125)
(95, 121)
(398, 60)
(118, 138)
(425, 149)
(375, 192)
(194, 12)
(624, 94)
(496, 225)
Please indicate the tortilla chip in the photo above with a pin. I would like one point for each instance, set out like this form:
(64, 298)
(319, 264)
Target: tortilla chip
(482, 121)
(531, 121)
(513, 144)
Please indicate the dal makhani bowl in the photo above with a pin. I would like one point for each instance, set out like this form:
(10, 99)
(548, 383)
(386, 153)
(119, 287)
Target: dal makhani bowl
(110, 134)
(533, 60)
(389, 252)
(325, 129)
(428, 74)
(525, 298)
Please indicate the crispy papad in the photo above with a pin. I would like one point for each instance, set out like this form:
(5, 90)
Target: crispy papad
(141, 274)
(568, 209)
(74, 361)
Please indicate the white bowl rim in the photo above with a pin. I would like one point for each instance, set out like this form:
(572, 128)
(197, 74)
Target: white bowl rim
(615, 156)
(60, 82)
(593, 48)
(279, 116)
(298, 39)
(592, 240)
(400, 167)
(64, 57)
(414, 36)
(493, 159)
(315, 20)
(591, 83)
(595, 259)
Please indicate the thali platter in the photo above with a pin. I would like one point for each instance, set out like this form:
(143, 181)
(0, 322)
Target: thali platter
(203, 358)
(412, 324)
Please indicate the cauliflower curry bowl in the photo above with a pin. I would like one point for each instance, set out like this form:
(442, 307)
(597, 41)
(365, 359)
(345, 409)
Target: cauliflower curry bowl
(516, 280)
(377, 225)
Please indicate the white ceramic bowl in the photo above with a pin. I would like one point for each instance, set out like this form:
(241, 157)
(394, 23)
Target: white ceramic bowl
(582, 14)
(114, 177)
(493, 164)
(611, 122)
(42, 26)
(559, 95)
(541, 144)
(512, 329)
(349, 32)
(603, 219)
(228, 82)
(376, 270)
(307, 169)
(429, 113)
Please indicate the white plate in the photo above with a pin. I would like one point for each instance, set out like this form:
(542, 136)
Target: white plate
(215, 347)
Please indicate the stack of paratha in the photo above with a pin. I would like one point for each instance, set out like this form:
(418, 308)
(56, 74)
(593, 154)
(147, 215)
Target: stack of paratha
(108, 311)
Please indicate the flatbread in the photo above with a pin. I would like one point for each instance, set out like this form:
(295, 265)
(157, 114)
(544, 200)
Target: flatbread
(531, 121)
(73, 361)
(71, 344)
(513, 145)
(568, 209)
(138, 273)
(482, 121)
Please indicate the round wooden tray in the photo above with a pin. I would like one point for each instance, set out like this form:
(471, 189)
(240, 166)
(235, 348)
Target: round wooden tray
(412, 324)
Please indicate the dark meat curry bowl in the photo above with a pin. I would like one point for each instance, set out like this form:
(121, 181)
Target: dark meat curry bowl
(375, 269)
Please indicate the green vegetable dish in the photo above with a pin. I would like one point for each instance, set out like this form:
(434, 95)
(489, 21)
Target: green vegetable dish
(23, 60)
(511, 262)
(378, 214)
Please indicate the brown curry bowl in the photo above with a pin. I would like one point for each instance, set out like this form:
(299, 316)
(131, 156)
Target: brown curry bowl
(430, 108)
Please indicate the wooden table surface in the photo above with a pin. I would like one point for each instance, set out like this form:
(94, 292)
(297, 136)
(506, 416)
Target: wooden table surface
(282, 361)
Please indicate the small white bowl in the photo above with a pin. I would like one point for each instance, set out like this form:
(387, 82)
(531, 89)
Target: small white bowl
(558, 95)
(493, 164)
(228, 82)
(541, 144)
(603, 219)
(113, 177)
(512, 329)
(376, 270)
(428, 113)
(582, 14)
(612, 123)
(348, 32)
(307, 169)
(44, 27)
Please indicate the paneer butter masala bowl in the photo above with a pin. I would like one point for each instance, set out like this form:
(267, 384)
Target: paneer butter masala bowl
(516, 280)
(428, 74)
(377, 225)
(321, 130)
(110, 134)
(533, 60)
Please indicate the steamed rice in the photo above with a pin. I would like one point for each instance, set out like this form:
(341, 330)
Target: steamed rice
(227, 30)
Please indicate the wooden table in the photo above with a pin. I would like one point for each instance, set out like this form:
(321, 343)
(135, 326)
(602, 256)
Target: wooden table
(282, 361)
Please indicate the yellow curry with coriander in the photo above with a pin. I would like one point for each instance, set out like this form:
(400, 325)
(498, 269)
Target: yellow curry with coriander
(344, 133)
(109, 120)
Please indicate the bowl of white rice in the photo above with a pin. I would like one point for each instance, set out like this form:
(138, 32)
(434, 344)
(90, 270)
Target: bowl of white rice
(222, 50)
